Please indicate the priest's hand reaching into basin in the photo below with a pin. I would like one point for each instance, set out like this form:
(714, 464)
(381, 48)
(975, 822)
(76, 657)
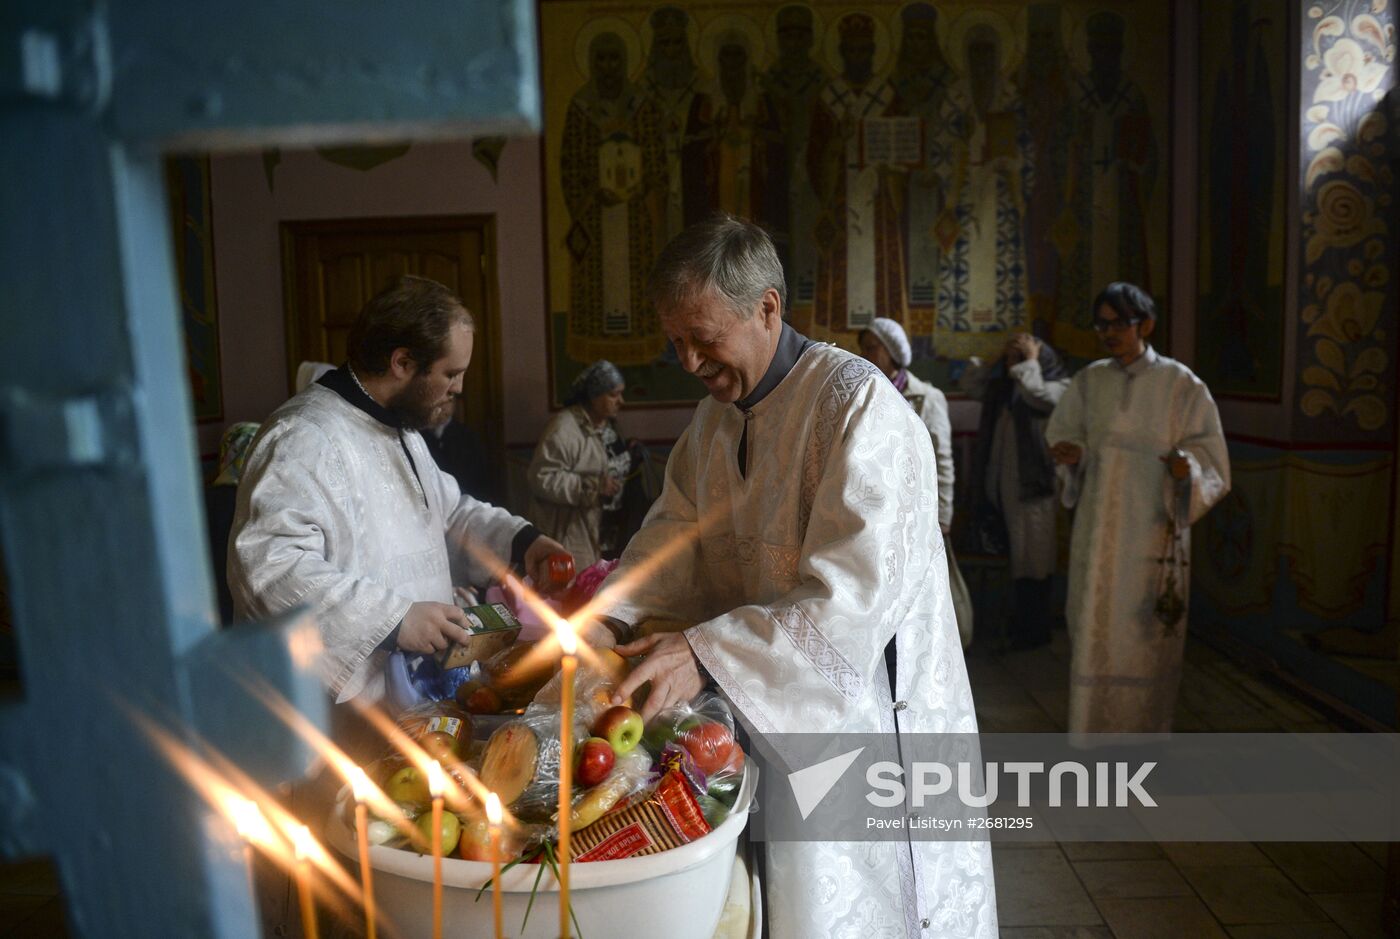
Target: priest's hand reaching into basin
(671, 668)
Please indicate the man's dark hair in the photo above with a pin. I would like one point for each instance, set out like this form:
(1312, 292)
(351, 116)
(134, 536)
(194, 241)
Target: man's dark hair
(1129, 301)
(412, 313)
(734, 256)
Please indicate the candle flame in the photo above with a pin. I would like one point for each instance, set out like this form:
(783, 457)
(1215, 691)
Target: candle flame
(568, 639)
(437, 780)
(249, 821)
(303, 844)
(457, 798)
(360, 785)
(364, 789)
(493, 808)
(250, 811)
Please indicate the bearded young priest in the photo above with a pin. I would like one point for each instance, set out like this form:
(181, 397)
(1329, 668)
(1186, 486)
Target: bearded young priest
(800, 496)
(342, 507)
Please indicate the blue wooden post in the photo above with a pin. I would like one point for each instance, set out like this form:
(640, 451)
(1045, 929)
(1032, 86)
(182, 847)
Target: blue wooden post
(99, 500)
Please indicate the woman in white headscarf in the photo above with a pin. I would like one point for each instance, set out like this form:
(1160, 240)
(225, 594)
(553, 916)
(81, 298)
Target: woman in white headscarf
(580, 465)
(886, 346)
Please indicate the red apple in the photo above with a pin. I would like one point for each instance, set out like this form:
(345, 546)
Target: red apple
(710, 744)
(622, 727)
(595, 761)
(483, 701)
(559, 570)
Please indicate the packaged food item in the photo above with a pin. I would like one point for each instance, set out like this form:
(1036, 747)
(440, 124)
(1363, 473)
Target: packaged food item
(664, 817)
(493, 627)
(521, 760)
(441, 728)
(521, 765)
(630, 774)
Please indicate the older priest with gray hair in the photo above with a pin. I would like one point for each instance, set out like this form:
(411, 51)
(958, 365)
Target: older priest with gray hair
(810, 540)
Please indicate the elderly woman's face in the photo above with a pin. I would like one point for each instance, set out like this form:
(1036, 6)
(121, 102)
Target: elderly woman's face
(607, 405)
(874, 352)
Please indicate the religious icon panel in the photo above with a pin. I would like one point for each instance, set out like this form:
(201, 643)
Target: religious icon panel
(967, 169)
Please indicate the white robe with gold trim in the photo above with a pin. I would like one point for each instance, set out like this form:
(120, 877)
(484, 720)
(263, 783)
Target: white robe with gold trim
(331, 515)
(1125, 665)
(798, 578)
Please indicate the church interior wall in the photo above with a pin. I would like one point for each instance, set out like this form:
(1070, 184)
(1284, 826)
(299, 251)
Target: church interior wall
(1299, 561)
(430, 179)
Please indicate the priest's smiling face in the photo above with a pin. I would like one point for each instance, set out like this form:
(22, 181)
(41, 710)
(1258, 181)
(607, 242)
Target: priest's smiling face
(725, 351)
(426, 396)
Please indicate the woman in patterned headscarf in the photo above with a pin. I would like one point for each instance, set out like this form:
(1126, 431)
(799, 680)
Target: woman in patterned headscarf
(580, 466)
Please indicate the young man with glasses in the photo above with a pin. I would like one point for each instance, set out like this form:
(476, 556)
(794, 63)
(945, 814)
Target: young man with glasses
(1141, 455)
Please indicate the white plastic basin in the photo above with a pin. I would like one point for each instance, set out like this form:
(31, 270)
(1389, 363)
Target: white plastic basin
(678, 893)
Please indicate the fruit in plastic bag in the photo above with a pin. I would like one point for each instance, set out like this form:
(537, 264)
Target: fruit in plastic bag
(715, 811)
(710, 744)
(441, 728)
(621, 726)
(630, 774)
(478, 699)
(409, 785)
(595, 761)
(448, 833)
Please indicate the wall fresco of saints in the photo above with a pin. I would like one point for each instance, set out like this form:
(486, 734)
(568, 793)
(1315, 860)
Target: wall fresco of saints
(966, 170)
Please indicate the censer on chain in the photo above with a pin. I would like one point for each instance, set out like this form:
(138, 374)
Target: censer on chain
(1171, 604)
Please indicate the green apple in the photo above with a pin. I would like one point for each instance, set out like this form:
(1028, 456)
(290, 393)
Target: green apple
(409, 786)
(448, 833)
(620, 726)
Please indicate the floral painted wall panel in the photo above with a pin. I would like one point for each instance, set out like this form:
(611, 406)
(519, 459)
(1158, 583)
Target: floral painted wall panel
(969, 169)
(1349, 220)
(1245, 83)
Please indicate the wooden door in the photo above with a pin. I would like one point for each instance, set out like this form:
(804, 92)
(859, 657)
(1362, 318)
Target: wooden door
(331, 268)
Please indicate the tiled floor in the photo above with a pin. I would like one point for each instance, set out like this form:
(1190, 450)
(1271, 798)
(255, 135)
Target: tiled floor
(1172, 891)
(1082, 890)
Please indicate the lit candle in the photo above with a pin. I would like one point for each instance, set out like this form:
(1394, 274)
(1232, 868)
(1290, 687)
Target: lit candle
(302, 846)
(493, 822)
(568, 642)
(253, 828)
(436, 785)
(359, 784)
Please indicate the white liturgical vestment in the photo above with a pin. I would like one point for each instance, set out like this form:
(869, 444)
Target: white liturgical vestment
(331, 513)
(797, 574)
(1125, 663)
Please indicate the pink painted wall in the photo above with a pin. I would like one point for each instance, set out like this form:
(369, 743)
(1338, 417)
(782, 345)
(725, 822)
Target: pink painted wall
(431, 179)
